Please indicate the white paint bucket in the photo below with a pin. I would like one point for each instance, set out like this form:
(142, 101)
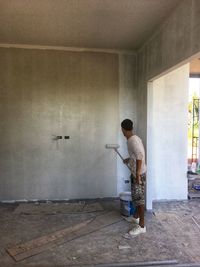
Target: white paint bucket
(126, 206)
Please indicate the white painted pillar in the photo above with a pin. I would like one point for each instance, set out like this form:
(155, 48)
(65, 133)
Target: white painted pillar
(167, 136)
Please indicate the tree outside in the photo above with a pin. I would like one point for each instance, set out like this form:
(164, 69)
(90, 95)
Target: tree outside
(193, 119)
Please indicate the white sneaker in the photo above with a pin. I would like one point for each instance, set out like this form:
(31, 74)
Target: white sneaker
(131, 219)
(137, 230)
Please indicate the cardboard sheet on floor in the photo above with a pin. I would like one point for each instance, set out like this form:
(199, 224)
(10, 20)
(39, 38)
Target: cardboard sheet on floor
(55, 208)
(38, 245)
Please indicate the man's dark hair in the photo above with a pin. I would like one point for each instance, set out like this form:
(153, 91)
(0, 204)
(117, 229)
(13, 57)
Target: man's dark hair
(127, 125)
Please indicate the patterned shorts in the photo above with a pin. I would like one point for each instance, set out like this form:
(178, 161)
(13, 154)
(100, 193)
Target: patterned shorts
(138, 190)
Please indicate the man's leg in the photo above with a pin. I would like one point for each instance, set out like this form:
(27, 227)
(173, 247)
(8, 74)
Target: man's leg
(139, 229)
(139, 200)
(141, 206)
(137, 192)
(136, 214)
(141, 215)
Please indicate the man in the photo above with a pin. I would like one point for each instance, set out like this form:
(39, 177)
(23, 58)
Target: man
(136, 162)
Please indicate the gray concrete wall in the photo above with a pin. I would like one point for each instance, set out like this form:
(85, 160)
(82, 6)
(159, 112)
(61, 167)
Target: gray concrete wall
(46, 93)
(172, 45)
(176, 41)
(167, 136)
(127, 109)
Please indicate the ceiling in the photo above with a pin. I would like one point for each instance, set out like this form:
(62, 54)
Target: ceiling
(105, 24)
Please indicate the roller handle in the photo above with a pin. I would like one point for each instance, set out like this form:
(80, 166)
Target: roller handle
(121, 157)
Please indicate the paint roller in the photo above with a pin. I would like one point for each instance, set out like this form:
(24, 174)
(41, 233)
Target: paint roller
(115, 147)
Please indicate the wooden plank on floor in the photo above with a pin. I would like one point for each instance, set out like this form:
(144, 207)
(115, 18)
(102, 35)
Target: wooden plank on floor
(193, 195)
(44, 240)
(167, 263)
(55, 208)
(38, 245)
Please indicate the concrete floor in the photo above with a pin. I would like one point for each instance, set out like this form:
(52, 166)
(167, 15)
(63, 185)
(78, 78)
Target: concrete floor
(173, 233)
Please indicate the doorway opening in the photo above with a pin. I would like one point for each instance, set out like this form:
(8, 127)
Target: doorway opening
(194, 130)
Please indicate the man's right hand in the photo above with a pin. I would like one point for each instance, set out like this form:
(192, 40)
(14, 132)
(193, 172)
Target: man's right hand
(126, 161)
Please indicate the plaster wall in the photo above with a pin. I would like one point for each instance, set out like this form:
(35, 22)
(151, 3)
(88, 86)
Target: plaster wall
(127, 109)
(175, 43)
(171, 45)
(44, 94)
(48, 93)
(167, 136)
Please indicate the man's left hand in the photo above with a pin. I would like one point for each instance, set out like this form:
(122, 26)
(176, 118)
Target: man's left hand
(138, 179)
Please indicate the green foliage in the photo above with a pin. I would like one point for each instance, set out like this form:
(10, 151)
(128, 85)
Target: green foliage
(193, 119)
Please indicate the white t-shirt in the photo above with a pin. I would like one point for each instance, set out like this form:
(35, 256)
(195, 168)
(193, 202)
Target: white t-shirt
(136, 152)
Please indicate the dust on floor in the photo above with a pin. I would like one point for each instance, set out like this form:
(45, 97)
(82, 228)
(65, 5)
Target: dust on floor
(172, 234)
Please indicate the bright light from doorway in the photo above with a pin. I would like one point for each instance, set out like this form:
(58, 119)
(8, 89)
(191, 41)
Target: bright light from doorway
(193, 122)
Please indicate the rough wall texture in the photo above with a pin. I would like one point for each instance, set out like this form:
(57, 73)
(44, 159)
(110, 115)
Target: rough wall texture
(177, 40)
(127, 109)
(167, 136)
(172, 45)
(47, 93)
